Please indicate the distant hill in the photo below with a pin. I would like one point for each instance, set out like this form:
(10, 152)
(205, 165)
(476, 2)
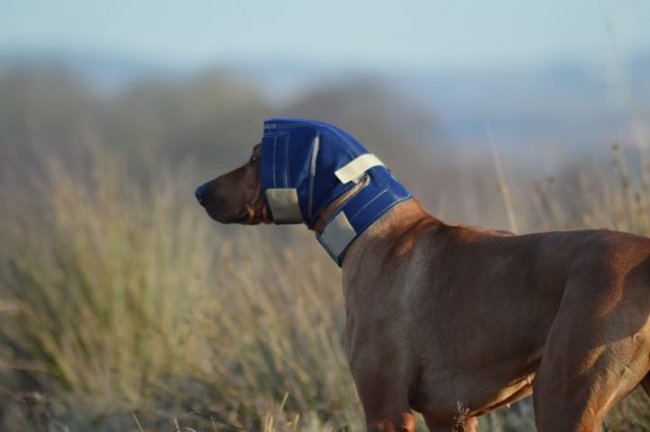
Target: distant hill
(567, 103)
(105, 73)
(570, 105)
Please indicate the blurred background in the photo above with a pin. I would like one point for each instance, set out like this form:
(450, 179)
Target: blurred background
(124, 307)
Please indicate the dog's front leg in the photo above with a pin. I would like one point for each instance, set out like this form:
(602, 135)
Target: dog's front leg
(385, 400)
(390, 420)
(405, 424)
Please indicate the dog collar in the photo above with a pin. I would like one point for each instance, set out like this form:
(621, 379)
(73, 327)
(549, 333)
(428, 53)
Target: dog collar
(307, 165)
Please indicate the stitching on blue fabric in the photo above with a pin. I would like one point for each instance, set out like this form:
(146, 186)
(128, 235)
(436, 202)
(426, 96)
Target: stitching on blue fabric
(342, 135)
(342, 206)
(386, 185)
(275, 141)
(367, 204)
(286, 161)
(312, 175)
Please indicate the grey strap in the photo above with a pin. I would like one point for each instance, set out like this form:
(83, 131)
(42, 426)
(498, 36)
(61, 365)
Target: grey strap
(284, 205)
(338, 234)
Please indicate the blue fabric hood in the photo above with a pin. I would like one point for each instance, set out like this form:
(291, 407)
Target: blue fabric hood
(288, 147)
(301, 173)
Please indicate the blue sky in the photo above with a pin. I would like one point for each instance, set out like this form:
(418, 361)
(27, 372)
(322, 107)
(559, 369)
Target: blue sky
(337, 33)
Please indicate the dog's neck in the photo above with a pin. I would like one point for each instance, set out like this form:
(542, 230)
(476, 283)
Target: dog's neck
(357, 210)
(329, 211)
(403, 218)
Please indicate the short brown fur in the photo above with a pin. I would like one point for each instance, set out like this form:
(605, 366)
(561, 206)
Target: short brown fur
(443, 316)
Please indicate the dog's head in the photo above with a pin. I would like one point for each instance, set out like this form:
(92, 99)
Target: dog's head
(300, 168)
(236, 197)
(290, 177)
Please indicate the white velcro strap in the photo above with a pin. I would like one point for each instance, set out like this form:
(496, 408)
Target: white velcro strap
(338, 234)
(284, 206)
(355, 169)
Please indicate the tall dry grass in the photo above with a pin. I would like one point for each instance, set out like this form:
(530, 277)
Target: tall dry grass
(123, 307)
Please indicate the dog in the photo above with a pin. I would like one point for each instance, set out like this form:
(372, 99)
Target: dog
(442, 318)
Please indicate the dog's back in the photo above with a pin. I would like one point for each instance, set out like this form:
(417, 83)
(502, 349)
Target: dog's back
(466, 315)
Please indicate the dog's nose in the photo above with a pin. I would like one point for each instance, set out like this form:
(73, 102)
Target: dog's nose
(199, 193)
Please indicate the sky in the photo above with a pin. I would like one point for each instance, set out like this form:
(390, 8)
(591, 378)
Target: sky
(337, 33)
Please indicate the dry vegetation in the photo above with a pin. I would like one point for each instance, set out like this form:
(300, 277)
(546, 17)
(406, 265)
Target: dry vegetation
(124, 308)
(119, 303)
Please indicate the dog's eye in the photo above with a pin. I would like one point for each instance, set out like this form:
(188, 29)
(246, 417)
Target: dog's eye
(253, 160)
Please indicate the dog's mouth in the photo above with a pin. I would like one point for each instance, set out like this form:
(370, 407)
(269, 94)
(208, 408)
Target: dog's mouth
(217, 209)
(238, 218)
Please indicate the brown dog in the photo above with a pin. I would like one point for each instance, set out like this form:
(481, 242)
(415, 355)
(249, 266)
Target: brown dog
(442, 317)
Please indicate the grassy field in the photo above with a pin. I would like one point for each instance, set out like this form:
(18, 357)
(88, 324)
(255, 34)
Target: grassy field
(124, 308)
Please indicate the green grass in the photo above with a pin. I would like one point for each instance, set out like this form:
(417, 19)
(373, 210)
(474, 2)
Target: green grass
(123, 307)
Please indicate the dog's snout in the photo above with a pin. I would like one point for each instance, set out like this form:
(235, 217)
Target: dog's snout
(199, 193)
